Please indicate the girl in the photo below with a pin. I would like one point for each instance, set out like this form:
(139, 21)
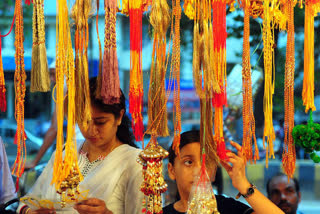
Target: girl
(183, 170)
(107, 161)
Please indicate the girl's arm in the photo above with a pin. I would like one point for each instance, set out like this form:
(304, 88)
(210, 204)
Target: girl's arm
(235, 166)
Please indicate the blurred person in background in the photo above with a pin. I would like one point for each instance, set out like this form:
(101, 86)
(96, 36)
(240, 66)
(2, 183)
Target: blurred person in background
(286, 195)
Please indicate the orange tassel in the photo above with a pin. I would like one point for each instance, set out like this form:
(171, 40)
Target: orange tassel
(289, 153)
(20, 89)
(247, 110)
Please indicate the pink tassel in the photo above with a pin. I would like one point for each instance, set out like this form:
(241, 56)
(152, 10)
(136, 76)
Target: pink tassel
(110, 87)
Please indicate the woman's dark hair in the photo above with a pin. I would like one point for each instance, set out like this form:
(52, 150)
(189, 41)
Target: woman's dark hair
(124, 133)
(185, 139)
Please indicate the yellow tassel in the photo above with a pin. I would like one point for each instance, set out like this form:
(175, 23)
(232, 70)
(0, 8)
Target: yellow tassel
(40, 80)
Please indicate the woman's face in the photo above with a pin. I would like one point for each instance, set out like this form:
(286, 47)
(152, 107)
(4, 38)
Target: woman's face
(102, 128)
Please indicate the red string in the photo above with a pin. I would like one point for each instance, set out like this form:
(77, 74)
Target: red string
(28, 2)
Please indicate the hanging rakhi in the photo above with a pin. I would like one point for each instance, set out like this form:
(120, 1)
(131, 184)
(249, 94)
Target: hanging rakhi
(20, 89)
(153, 182)
(268, 52)
(110, 86)
(203, 63)
(157, 100)
(40, 80)
(136, 76)
(289, 153)
(175, 68)
(220, 66)
(312, 7)
(66, 173)
(80, 14)
(247, 110)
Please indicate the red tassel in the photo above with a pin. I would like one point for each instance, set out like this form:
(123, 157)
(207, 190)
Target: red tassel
(221, 150)
(17, 184)
(3, 101)
(28, 2)
(220, 99)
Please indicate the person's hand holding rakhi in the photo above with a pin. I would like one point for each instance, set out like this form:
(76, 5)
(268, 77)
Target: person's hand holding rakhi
(235, 165)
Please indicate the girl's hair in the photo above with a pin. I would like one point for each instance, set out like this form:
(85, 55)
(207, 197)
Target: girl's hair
(124, 133)
(185, 139)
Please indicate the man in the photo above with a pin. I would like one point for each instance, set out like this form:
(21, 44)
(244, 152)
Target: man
(285, 195)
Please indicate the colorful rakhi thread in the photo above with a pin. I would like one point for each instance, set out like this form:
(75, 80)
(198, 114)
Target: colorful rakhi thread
(289, 153)
(312, 7)
(66, 173)
(247, 110)
(175, 67)
(20, 90)
(80, 14)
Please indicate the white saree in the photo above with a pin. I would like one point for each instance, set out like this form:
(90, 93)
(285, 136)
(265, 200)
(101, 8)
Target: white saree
(116, 180)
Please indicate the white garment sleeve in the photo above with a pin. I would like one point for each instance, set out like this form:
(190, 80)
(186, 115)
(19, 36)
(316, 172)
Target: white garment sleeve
(127, 197)
(7, 189)
(42, 182)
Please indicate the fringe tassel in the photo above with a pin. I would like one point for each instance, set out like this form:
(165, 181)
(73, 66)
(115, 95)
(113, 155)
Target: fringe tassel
(247, 110)
(110, 88)
(308, 77)
(268, 41)
(157, 100)
(175, 68)
(289, 153)
(80, 13)
(40, 80)
(136, 76)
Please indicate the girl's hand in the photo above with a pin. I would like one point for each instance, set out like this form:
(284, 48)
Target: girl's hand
(235, 166)
(92, 206)
(40, 211)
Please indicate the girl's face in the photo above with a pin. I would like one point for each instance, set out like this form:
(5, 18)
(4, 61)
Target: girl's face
(102, 128)
(186, 168)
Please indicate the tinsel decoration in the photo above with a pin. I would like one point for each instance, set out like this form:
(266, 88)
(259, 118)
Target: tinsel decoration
(110, 87)
(20, 90)
(66, 174)
(312, 7)
(40, 80)
(136, 76)
(308, 137)
(268, 52)
(157, 100)
(153, 182)
(289, 152)
(175, 68)
(202, 199)
(247, 110)
(80, 13)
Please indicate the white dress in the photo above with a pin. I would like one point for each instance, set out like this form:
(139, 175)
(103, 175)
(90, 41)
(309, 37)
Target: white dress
(116, 179)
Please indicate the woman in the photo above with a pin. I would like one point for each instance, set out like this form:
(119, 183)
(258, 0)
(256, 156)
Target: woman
(183, 169)
(107, 160)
